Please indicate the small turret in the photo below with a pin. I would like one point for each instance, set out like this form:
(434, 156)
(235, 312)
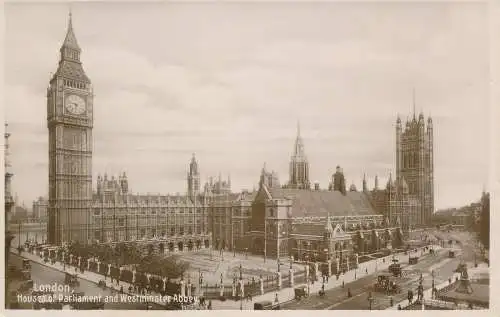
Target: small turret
(124, 183)
(339, 181)
(99, 184)
(328, 227)
(263, 178)
(390, 184)
(404, 186)
(193, 166)
(353, 188)
(365, 187)
(376, 182)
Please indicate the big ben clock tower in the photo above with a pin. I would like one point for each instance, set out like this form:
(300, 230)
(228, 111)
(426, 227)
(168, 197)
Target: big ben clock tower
(69, 120)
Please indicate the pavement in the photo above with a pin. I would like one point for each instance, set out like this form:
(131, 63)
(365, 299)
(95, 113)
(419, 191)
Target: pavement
(45, 273)
(336, 299)
(286, 295)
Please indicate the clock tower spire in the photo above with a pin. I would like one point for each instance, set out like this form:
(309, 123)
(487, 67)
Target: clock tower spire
(70, 122)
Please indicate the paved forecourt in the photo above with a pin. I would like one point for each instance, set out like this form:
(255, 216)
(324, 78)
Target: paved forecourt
(214, 264)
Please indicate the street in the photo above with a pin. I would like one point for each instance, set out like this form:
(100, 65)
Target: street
(336, 299)
(41, 274)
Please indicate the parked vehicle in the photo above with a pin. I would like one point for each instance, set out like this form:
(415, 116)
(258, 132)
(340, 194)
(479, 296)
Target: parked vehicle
(395, 267)
(71, 279)
(26, 264)
(385, 283)
(300, 292)
(264, 305)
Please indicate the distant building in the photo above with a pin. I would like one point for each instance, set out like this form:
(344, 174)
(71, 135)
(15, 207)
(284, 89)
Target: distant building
(19, 214)
(9, 203)
(40, 208)
(9, 200)
(464, 216)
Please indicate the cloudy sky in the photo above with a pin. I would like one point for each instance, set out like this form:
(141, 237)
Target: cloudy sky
(230, 81)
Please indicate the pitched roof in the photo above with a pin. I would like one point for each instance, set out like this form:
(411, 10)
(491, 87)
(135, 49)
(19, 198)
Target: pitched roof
(320, 203)
(70, 39)
(312, 229)
(73, 70)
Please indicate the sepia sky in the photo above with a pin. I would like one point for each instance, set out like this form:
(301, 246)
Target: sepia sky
(230, 81)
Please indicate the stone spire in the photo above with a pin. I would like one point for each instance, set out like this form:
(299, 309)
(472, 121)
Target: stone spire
(70, 39)
(299, 167)
(299, 145)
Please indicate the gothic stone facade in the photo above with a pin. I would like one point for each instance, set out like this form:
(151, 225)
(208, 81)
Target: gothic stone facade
(172, 222)
(317, 225)
(415, 163)
(70, 121)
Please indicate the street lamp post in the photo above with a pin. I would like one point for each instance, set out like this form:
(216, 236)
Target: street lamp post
(370, 300)
(241, 288)
(433, 285)
(19, 235)
(308, 278)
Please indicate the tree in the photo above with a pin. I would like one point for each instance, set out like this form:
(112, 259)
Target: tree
(484, 224)
(171, 267)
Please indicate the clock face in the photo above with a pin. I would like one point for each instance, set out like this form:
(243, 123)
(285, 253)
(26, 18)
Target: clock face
(75, 104)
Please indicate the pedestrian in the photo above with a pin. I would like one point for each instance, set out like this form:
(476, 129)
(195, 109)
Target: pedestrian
(349, 295)
(210, 305)
(276, 298)
(391, 301)
(366, 270)
(343, 284)
(399, 307)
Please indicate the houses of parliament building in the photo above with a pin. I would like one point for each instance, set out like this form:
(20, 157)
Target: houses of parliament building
(298, 218)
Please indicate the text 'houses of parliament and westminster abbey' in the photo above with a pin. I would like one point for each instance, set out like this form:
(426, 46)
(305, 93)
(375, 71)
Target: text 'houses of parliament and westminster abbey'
(298, 219)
